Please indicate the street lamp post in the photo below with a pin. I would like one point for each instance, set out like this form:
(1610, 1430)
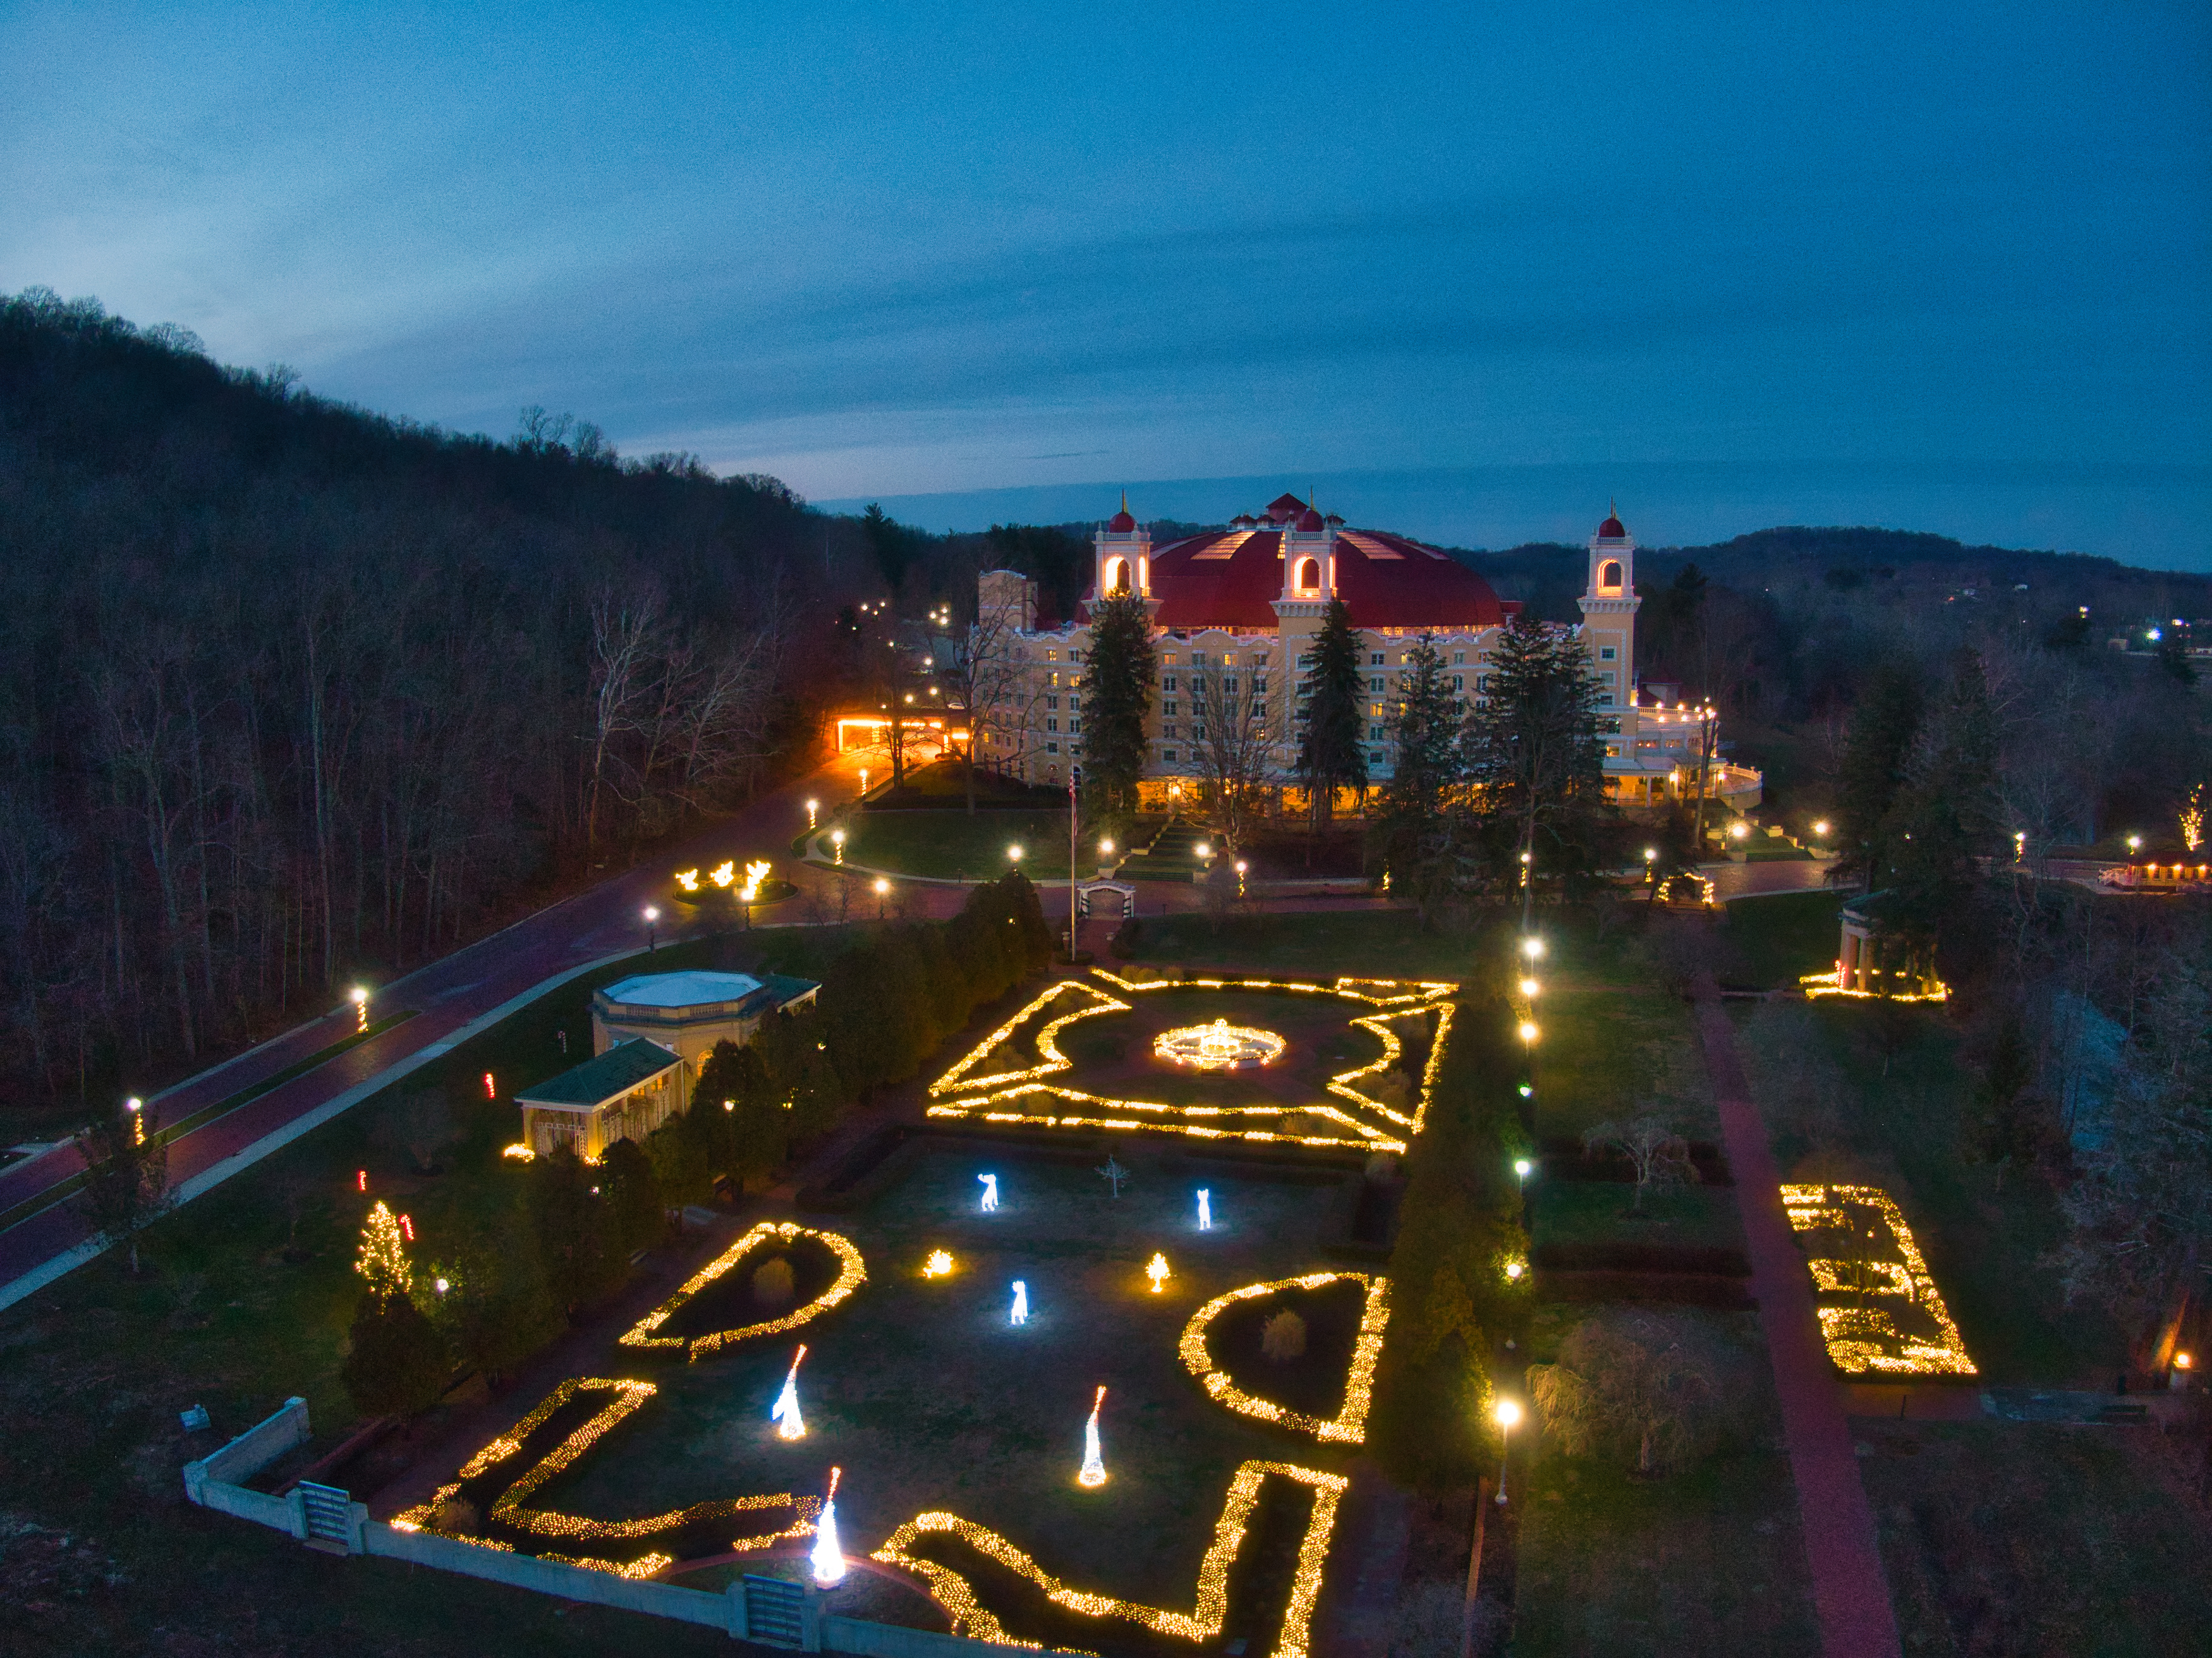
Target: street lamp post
(1506, 1412)
(812, 808)
(882, 888)
(358, 997)
(838, 844)
(652, 929)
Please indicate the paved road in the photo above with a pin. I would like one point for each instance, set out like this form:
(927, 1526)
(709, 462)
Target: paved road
(446, 996)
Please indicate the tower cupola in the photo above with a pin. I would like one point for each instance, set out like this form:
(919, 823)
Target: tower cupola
(1121, 557)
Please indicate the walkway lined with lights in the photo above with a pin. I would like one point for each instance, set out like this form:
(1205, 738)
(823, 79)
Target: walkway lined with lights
(1851, 1592)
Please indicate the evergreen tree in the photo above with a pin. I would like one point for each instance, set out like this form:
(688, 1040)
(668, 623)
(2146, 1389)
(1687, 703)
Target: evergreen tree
(1414, 826)
(632, 1195)
(2002, 1123)
(1117, 693)
(1330, 715)
(1535, 753)
(576, 1247)
(1948, 816)
(494, 1311)
(126, 1177)
(1877, 757)
(397, 1363)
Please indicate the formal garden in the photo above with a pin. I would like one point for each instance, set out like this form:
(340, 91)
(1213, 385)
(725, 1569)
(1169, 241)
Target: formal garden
(917, 1385)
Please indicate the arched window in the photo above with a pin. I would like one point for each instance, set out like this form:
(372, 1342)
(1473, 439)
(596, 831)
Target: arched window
(1308, 575)
(1609, 573)
(1117, 576)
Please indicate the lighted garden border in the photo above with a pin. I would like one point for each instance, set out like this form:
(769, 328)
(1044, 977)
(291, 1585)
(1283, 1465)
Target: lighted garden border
(852, 1272)
(1349, 1425)
(1210, 1610)
(1856, 1335)
(1097, 1111)
(508, 1509)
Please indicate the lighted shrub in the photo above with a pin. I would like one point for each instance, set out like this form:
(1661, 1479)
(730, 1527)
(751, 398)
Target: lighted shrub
(772, 1283)
(1284, 1338)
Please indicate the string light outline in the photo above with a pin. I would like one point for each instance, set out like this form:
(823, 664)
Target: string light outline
(1210, 1610)
(1349, 1425)
(1855, 1335)
(852, 1272)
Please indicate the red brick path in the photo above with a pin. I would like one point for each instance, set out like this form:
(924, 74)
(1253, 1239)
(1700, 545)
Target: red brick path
(1850, 1592)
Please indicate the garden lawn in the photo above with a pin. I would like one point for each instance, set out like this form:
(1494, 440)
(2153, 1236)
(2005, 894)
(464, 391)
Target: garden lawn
(1564, 1211)
(928, 1397)
(951, 844)
(1324, 946)
(1611, 1055)
(2037, 1541)
(1773, 941)
(1708, 1560)
(1817, 1072)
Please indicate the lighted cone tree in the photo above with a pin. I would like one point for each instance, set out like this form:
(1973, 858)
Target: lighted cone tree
(1094, 1464)
(827, 1559)
(383, 1257)
(789, 1425)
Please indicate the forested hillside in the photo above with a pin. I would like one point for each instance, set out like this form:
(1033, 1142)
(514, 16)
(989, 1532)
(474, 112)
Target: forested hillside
(288, 692)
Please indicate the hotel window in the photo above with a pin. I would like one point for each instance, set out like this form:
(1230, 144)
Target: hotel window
(1168, 730)
(1607, 653)
(1167, 659)
(1459, 660)
(1376, 683)
(1051, 748)
(1459, 705)
(1459, 682)
(1052, 726)
(1052, 702)
(1228, 659)
(1306, 661)
(1073, 703)
(1605, 700)
(1052, 656)
(1228, 684)
(1168, 754)
(1259, 684)
(1168, 680)
(1375, 660)
(1374, 710)
(1073, 726)
(1260, 708)
(1171, 708)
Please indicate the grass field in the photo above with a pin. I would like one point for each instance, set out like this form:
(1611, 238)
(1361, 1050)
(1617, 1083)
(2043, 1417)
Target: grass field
(1708, 1560)
(924, 1395)
(949, 844)
(2037, 1541)
(1599, 1212)
(1380, 942)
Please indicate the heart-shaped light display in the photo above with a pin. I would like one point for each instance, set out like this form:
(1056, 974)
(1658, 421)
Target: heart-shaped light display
(769, 1234)
(1349, 1425)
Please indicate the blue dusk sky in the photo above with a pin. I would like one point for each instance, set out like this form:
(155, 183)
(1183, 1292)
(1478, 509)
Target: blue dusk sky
(1467, 271)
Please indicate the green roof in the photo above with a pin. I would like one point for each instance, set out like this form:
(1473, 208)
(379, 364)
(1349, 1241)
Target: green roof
(610, 1076)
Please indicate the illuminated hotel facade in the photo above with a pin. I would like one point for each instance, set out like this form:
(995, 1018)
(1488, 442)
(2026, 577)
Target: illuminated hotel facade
(1234, 615)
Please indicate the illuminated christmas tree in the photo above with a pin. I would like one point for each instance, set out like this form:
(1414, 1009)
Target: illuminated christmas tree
(828, 1559)
(788, 1423)
(1094, 1464)
(383, 1260)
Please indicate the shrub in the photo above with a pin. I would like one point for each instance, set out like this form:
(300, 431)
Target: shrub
(772, 1283)
(1283, 1338)
(397, 1364)
(1647, 1388)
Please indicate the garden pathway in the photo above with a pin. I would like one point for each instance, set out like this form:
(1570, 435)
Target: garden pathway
(1851, 1592)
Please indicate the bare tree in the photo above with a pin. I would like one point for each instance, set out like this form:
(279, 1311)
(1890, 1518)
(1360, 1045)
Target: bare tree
(1650, 1387)
(626, 627)
(1238, 727)
(1659, 1155)
(980, 669)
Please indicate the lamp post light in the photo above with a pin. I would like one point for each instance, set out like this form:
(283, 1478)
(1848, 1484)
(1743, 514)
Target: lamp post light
(2134, 843)
(1014, 855)
(1528, 1032)
(358, 997)
(864, 782)
(1505, 1412)
(1532, 947)
(882, 887)
(812, 808)
(2020, 846)
(1531, 988)
(838, 844)
(1241, 867)
(1105, 849)
(1651, 864)
(136, 1107)
(652, 929)
(1522, 1169)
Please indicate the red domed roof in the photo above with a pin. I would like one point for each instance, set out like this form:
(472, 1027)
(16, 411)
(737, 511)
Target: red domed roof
(1612, 530)
(1120, 523)
(1310, 521)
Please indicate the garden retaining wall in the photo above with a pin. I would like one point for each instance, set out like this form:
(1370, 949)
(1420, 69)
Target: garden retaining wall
(213, 1481)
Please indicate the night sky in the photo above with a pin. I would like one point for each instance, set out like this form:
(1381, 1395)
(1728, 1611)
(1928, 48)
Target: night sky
(1467, 271)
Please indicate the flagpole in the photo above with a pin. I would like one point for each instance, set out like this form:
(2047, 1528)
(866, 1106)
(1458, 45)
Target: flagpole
(1071, 866)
